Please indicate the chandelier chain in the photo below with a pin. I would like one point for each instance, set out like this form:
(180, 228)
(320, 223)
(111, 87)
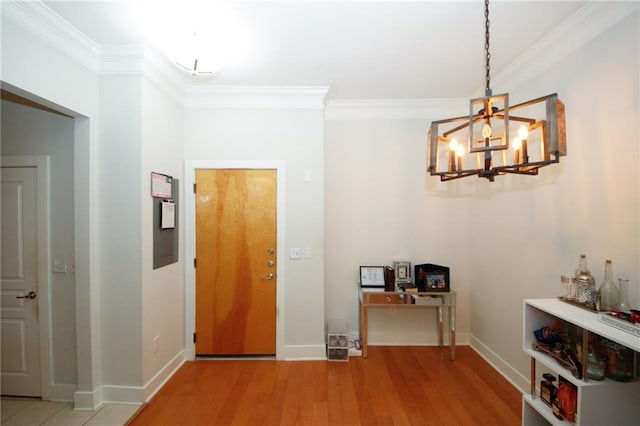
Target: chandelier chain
(486, 48)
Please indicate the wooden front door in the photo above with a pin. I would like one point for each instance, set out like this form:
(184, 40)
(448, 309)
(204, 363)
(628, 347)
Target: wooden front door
(235, 262)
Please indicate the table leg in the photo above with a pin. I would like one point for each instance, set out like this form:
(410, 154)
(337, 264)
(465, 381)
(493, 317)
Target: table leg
(452, 329)
(364, 320)
(440, 327)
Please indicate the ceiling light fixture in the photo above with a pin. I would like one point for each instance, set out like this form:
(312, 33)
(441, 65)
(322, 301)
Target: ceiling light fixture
(195, 52)
(539, 125)
(199, 36)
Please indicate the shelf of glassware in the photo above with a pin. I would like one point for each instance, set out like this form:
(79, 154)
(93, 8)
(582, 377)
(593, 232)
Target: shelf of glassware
(599, 402)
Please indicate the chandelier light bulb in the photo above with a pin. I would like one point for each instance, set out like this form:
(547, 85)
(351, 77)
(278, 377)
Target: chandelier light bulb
(453, 145)
(517, 143)
(523, 132)
(460, 150)
(486, 130)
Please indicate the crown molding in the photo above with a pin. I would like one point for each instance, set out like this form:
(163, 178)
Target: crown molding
(292, 97)
(140, 60)
(585, 24)
(40, 20)
(122, 59)
(588, 22)
(394, 109)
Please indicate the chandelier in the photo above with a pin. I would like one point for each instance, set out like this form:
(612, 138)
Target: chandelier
(538, 127)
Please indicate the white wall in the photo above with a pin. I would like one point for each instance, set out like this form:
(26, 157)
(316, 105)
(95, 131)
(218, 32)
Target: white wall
(163, 288)
(120, 229)
(538, 226)
(378, 209)
(110, 183)
(73, 88)
(504, 241)
(29, 131)
(380, 206)
(295, 137)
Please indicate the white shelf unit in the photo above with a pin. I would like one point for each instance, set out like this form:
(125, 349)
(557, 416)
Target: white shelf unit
(606, 402)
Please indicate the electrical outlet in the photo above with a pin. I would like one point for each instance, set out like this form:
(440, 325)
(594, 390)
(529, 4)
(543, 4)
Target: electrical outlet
(156, 344)
(59, 267)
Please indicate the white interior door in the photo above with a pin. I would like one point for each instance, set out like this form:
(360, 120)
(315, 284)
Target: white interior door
(19, 283)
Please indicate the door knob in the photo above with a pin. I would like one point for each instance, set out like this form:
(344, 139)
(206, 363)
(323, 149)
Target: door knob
(30, 295)
(270, 250)
(270, 263)
(269, 277)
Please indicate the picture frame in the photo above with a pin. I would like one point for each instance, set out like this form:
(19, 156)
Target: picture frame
(402, 272)
(432, 278)
(372, 276)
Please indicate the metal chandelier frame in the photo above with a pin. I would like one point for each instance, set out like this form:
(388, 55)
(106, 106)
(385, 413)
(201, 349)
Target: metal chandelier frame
(540, 141)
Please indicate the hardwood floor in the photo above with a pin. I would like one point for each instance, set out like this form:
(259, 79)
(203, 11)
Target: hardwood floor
(394, 386)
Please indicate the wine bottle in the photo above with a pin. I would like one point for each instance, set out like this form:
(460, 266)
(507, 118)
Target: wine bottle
(608, 291)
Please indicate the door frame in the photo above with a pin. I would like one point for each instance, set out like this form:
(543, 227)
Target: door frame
(190, 244)
(41, 164)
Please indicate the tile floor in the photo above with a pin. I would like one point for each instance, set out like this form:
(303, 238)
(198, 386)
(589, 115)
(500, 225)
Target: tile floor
(31, 412)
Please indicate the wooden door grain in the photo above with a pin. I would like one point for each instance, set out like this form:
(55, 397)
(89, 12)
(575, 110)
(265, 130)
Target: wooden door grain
(236, 262)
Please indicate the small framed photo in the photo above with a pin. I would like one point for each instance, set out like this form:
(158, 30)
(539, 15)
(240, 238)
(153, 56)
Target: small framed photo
(430, 277)
(402, 272)
(372, 276)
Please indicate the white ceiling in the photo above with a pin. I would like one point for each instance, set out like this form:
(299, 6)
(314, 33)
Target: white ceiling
(360, 49)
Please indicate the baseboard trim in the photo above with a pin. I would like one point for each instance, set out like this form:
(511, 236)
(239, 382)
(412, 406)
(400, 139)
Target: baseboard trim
(410, 339)
(514, 377)
(304, 353)
(63, 392)
(123, 394)
(157, 381)
(88, 401)
(134, 395)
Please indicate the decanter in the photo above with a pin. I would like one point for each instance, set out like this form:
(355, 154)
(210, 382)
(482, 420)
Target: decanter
(585, 284)
(608, 291)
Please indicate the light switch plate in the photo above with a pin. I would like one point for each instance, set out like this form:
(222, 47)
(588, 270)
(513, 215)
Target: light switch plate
(295, 253)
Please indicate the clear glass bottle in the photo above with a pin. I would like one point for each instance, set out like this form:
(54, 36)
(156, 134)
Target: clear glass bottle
(623, 295)
(596, 364)
(585, 284)
(608, 291)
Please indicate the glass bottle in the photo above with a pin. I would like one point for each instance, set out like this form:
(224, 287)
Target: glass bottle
(623, 295)
(608, 291)
(548, 389)
(596, 364)
(585, 284)
(619, 361)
